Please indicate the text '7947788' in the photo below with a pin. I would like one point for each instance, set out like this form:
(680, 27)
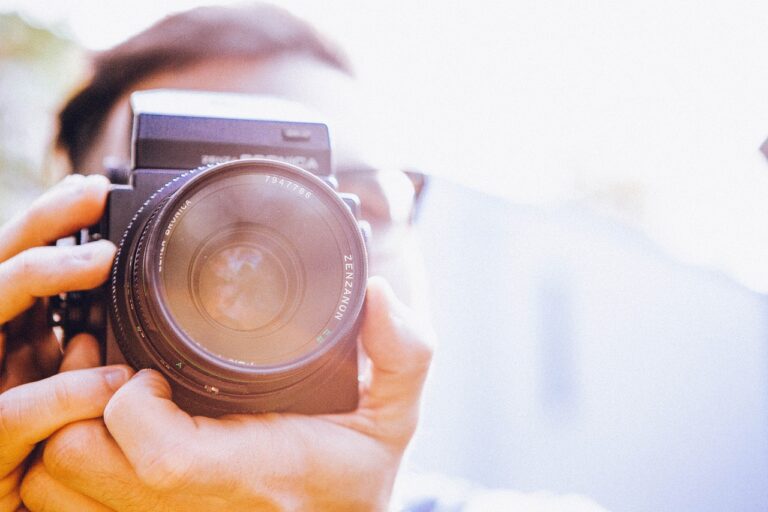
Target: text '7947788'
(288, 185)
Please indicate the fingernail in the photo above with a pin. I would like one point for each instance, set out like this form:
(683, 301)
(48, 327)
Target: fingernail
(144, 372)
(95, 181)
(96, 250)
(116, 377)
(73, 178)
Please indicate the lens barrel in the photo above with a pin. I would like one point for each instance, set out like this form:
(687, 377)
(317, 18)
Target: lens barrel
(243, 283)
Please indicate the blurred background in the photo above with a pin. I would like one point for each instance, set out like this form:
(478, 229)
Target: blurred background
(649, 111)
(600, 215)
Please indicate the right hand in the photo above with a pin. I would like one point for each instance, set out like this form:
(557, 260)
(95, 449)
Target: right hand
(32, 409)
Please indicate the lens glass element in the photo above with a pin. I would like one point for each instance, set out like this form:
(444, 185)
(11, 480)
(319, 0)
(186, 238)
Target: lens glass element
(256, 267)
(247, 278)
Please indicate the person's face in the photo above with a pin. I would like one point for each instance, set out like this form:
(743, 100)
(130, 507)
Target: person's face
(386, 195)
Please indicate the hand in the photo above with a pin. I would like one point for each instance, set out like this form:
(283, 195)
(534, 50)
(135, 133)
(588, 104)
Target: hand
(29, 270)
(29, 350)
(31, 412)
(150, 455)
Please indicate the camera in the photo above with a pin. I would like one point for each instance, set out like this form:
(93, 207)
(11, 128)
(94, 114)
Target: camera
(240, 273)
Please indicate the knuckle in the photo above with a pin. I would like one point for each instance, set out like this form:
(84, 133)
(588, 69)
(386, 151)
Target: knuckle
(424, 350)
(70, 258)
(58, 397)
(33, 219)
(66, 451)
(90, 272)
(28, 270)
(421, 348)
(164, 469)
(25, 264)
(62, 396)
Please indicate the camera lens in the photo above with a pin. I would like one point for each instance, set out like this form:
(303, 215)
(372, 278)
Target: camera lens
(246, 273)
(251, 265)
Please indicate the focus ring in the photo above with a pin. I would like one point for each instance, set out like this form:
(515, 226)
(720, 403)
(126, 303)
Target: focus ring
(124, 315)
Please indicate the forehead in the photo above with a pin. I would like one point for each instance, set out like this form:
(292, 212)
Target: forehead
(301, 79)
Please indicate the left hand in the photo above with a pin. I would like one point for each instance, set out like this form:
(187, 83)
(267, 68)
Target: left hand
(148, 454)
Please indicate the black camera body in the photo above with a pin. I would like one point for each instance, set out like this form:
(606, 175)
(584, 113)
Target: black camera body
(241, 271)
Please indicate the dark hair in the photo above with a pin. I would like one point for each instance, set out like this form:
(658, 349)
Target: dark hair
(254, 31)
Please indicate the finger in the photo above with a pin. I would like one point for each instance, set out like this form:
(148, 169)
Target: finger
(399, 346)
(31, 329)
(20, 368)
(10, 502)
(157, 437)
(84, 457)
(398, 343)
(32, 412)
(83, 351)
(26, 327)
(32, 350)
(39, 333)
(48, 353)
(40, 492)
(45, 271)
(9, 486)
(76, 202)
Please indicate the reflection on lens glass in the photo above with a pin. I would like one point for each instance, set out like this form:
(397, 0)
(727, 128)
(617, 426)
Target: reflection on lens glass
(242, 287)
(246, 277)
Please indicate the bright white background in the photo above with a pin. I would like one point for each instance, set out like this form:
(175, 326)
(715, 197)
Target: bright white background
(651, 111)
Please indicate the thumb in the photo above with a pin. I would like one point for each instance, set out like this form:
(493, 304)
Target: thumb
(156, 436)
(399, 345)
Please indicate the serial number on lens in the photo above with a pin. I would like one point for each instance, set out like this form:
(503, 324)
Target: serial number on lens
(289, 185)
